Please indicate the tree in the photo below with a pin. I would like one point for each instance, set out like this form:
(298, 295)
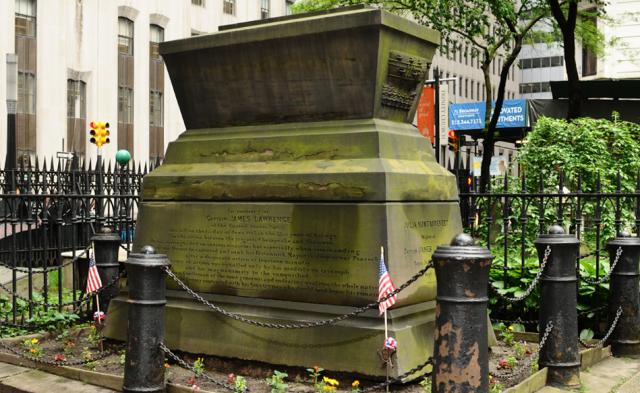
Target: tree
(493, 28)
(566, 18)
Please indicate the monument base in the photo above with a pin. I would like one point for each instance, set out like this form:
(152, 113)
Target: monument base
(351, 345)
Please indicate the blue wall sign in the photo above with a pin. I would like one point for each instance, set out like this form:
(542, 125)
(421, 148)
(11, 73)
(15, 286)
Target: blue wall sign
(470, 115)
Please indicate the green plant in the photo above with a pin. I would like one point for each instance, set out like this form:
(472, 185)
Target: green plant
(123, 358)
(521, 349)
(198, 367)
(314, 375)
(494, 385)
(87, 356)
(507, 335)
(94, 337)
(240, 384)
(276, 381)
(32, 347)
(425, 384)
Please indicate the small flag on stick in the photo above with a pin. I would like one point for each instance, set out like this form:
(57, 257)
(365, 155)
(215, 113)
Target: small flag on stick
(385, 287)
(93, 277)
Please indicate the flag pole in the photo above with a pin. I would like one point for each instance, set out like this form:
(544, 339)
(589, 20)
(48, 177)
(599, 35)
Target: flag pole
(386, 330)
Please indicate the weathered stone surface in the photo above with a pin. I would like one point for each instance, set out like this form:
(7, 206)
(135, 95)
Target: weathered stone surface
(358, 160)
(310, 252)
(351, 345)
(296, 167)
(360, 63)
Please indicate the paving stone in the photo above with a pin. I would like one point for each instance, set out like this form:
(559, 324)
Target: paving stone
(35, 381)
(631, 386)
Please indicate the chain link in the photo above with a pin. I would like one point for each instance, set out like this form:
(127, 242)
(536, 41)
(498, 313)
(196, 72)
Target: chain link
(301, 325)
(400, 378)
(606, 337)
(14, 351)
(186, 366)
(76, 303)
(533, 284)
(606, 276)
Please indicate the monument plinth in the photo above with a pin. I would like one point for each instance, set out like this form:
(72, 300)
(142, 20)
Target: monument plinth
(298, 163)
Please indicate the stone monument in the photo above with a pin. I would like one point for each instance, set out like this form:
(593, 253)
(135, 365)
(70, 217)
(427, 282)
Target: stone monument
(299, 162)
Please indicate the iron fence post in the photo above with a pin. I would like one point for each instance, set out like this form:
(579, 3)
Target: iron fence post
(106, 246)
(624, 287)
(144, 360)
(558, 304)
(461, 335)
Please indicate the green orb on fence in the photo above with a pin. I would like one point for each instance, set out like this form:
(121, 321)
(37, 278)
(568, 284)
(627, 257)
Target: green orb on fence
(123, 157)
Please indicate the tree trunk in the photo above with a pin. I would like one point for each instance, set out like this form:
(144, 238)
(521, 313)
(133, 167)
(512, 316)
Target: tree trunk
(573, 79)
(489, 140)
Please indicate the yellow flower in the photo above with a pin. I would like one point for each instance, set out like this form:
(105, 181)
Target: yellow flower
(511, 328)
(355, 383)
(331, 381)
(34, 341)
(328, 388)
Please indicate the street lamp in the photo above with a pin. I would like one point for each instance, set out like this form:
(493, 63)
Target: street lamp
(122, 158)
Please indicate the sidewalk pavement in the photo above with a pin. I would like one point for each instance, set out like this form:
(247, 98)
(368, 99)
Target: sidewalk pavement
(15, 379)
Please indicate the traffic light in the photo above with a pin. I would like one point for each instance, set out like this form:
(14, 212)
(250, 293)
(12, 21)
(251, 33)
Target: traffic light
(99, 133)
(454, 142)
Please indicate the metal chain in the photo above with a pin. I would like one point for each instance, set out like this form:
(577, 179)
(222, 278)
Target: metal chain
(300, 325)
(545, 336)
(606, 337)
(606, 276)
(53, 362)
(186, 366)
(533, 284)
(517, 320)
(401, 377)
(76, 303)
(48, 268)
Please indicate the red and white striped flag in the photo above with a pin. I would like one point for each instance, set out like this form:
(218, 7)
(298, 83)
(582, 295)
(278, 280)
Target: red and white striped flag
(385, 287)
(93, 277)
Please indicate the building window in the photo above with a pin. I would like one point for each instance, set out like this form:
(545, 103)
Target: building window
(542, 62)
(199, 3)
(156, 113)
(156, 36)
(76, 116)
(25, 18)
(466, 88)
(265, 8)
(535, 87)
(125, 36)
(229, 7)
(478, 91)
(26, 93)
(471, 90)
(125, 105)
(76, 96)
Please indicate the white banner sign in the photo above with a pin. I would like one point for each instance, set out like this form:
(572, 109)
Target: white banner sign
(443, 112)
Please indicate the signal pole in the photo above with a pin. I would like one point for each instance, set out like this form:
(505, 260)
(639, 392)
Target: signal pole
(99, 137)
(12, 108)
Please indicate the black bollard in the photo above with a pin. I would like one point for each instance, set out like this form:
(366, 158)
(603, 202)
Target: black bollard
(144, 360)
(107, 245)
(461, 359)
(558, 305)
(624, 287)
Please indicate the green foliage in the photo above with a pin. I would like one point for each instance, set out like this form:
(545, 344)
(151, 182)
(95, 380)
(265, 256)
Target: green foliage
(198, 367)
(276, 381)
(425, 384)
(586, 334)
(598, 150)
(317, 5)
(240, 384)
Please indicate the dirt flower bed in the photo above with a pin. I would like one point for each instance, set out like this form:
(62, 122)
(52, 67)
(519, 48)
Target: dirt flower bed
(510, 362)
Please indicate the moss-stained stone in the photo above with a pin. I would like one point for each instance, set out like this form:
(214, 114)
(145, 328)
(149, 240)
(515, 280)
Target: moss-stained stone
(351, 345)
(297, 165)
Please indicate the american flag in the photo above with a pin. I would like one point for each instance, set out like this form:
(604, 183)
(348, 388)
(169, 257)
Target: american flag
(391, 343)
(385, 287)
(93, 277)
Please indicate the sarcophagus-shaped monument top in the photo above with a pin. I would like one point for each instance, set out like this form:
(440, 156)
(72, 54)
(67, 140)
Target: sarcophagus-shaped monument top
(353, 64)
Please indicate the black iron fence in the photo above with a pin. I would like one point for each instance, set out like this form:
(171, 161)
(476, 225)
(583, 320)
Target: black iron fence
(510, 215)
(48, 214)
